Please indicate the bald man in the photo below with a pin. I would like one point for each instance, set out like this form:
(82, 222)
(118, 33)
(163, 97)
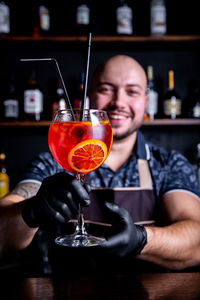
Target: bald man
(146, 197)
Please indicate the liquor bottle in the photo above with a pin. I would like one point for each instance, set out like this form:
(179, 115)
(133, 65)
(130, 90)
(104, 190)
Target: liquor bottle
(152, 106)
(124, 16)
(80, 95)
(158, 17)
(33, 99)
(172, 105)
(4, 178)
(41, 19)
(59, 102)
(4, 18)
(11, 103)
(193, 110)
(82, 18)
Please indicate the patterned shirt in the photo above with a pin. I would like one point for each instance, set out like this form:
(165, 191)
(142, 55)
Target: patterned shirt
(170, 170)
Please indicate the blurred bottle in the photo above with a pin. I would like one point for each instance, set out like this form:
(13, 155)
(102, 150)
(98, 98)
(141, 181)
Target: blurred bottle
(158, 18)
(4, 18)
(4, 178)
(152, 106)
(41, 18)
(124, 16)
(82, 18)
(33, 99)
(193, 109)
(59, 102)
(172, 104)
(11, 103)
(80, 95)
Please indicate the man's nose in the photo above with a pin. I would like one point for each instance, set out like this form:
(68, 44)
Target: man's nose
(119, 97)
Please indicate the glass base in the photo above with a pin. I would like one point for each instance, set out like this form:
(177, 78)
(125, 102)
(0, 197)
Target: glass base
(78, 240)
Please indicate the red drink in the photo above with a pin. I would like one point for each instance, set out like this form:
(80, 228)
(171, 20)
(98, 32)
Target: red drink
(80, 147)
(80, 141)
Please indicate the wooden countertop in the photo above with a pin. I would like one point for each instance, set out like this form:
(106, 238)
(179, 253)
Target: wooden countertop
(179, 286)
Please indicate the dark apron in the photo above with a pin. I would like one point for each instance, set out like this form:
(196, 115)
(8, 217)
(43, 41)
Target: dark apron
(139, 201)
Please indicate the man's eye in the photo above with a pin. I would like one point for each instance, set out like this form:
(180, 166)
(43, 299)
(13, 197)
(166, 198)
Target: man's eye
(105, 90)
(133, 92)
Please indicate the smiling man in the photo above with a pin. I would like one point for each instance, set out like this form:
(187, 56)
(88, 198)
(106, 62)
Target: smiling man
(156, 187)
(119, 86)
(147, 196)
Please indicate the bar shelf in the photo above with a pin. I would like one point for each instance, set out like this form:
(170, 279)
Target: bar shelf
(156, 122)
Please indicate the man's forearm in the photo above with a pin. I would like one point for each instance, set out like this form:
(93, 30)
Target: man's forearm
(14, 233)
(176, 246)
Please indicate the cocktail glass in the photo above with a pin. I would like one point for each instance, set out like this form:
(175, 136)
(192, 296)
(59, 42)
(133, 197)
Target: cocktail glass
(80, 141)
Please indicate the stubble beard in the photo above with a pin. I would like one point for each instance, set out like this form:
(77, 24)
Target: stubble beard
(135, 126)
(129, 132)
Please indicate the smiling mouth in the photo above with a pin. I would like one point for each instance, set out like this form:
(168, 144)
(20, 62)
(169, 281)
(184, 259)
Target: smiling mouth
(117, 117)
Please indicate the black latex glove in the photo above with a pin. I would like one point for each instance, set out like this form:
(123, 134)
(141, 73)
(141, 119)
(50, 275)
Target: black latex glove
(128, 237)
(57, 199)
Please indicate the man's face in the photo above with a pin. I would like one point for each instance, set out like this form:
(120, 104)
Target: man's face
(121, 91)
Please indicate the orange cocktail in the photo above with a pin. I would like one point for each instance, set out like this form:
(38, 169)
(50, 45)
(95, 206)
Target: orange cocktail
(80, 147)
(80, 141)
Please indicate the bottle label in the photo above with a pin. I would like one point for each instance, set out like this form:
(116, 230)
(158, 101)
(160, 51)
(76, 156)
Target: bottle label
(83, 15)
(196, 111)
(124, 20)
(172, 107)
(44, 18)
(158, 20)
(4, 184)
(11, 108)
(152, 106)
(4, 18)
(33, 101)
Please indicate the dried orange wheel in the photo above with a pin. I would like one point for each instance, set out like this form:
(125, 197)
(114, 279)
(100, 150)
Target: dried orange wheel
(87, 156)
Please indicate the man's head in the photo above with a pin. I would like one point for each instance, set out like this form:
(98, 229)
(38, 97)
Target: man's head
(119, 87)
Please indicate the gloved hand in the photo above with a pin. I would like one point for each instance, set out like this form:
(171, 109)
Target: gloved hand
(128, 237)
(57, 199)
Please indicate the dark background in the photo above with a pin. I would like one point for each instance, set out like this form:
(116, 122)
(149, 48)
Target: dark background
(21, 143)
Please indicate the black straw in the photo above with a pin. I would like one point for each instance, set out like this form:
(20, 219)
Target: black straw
(59, 74)
(83, 104)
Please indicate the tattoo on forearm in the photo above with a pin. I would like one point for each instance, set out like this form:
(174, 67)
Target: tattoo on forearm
(26, 190)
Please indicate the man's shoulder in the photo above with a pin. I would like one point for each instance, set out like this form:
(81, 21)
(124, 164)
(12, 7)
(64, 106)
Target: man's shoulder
(172, 170)
(153, 151)
(45, 156)
(42, 160)
(163, 155)
(167, 161)
(41, 166)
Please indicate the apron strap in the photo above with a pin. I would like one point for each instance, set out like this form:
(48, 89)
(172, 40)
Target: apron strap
(144, 174)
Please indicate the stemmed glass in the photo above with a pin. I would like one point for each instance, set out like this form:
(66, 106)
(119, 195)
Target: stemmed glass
(80, 141)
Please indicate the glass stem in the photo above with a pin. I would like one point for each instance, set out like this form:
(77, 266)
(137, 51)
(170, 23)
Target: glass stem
(80, 228)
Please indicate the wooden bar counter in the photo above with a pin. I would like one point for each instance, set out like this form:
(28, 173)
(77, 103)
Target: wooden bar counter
(172, 286)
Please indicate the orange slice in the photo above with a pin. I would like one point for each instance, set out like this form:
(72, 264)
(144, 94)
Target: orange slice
(87, 156)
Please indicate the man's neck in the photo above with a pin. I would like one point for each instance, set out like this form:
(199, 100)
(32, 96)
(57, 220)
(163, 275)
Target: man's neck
(121, 151)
